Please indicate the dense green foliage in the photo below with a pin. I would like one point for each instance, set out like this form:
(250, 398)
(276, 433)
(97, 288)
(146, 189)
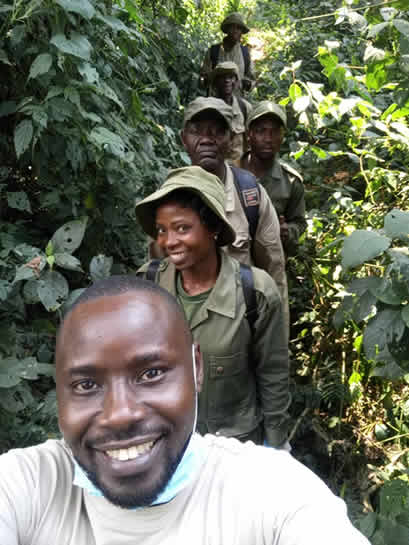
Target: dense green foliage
(91, 95)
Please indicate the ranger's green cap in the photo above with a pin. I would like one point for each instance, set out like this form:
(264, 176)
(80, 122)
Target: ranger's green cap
(267, 108)
(195, 179)
(201, 104)
(223, 68)
(234, 19)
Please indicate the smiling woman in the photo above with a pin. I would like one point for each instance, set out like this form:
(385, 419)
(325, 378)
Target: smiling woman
(245, 386)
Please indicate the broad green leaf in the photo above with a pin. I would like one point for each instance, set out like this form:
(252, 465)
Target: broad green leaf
(385, 293)
(105, 90)
(55, 91)
(405, 314)
(19, 201)
(376, 75)
(41, 65)
(113, 22)
(23, 135)
(89, 73)
(402, 26)
(376, 29)
(69, 237)
(41, 118)
(380, 330)
(73, 296)
(108, 140)
(397, 224)
(78, 45)
(100, 267)
(30, 292)
(68, 261)
(52, 289)
(294, 91)
(362, 246)
(82, 7)
(31, 269)
(24, 273)
(319, 152)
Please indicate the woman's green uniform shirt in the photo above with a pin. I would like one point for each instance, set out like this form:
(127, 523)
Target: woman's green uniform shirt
(245, 378)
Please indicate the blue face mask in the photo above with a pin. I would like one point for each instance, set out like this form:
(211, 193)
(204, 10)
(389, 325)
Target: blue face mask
(192, 460)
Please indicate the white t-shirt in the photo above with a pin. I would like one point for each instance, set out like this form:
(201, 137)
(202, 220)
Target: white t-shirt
(243, 495)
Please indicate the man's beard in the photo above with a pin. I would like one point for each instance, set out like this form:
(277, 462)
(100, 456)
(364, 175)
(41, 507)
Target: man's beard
(138, 499)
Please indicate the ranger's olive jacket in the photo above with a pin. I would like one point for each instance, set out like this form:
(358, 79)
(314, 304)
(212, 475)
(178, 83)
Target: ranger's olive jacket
(284, 185)
(245, 377)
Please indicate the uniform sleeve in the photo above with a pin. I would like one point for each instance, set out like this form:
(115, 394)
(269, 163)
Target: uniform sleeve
(267, 248)
(270, 352)
(295, 215)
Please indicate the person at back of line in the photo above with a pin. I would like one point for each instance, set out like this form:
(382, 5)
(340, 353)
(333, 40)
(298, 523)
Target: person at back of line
(230, 49)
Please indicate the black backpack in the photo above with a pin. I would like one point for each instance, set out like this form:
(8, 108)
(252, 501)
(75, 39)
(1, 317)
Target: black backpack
(249, 195)
(247, 284)
(214, 56)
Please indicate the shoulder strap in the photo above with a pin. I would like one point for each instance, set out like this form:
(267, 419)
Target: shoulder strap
(247, 283)
(214, 54)
(243, 108)
(249, 194)
(246, 57)
(152, 270)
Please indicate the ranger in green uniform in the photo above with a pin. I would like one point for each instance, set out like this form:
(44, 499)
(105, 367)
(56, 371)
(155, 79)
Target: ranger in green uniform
(225, 78)
(245, 390)
(265, 131)
(230, 49)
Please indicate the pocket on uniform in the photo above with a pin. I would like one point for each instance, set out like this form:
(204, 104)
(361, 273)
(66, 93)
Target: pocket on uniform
(229, 385)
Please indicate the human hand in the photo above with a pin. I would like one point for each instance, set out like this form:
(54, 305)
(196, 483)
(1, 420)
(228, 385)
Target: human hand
(283, 229)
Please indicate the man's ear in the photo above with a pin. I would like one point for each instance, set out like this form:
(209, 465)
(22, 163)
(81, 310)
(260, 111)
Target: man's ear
(182, 137)
(199, 367)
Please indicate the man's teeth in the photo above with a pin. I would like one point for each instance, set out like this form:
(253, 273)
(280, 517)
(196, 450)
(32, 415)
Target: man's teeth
(124, 454)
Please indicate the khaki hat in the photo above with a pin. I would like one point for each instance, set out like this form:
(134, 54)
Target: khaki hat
(201, 104)
(223, 68)
(234, 19)
(266, 107)
(195, 179)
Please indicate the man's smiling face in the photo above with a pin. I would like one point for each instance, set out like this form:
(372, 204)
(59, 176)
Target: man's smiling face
(126, 393)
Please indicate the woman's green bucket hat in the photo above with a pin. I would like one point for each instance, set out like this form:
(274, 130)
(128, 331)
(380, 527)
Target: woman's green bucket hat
(197, 180)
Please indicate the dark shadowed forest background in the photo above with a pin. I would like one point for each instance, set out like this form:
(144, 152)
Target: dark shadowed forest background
(91, 103)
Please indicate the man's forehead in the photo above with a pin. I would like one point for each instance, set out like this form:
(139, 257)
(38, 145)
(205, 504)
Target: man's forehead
(127, 311)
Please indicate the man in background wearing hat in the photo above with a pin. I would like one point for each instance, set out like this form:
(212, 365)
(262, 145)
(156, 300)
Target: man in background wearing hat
(206, 136)
(224, 80)
(230, 49)
(265, 131)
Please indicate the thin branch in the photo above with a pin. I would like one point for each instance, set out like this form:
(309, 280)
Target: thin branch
(315, 17)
